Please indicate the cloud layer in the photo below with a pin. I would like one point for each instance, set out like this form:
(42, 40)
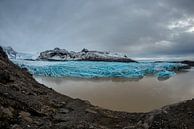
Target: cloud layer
(137, 27)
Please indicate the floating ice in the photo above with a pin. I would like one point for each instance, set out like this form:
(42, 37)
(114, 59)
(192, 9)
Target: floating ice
(92, 69)
(163, 75)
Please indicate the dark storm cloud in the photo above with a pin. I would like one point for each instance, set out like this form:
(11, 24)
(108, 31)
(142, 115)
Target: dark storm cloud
(182, 5)
(138, 27)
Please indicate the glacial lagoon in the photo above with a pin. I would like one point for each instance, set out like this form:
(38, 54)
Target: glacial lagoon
(128, 87)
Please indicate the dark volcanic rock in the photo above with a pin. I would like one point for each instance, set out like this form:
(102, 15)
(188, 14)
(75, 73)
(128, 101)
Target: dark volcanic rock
(24, 104)
(84, 55)
(3, 54)
(190, 63)
(4, 77)
(85, 50)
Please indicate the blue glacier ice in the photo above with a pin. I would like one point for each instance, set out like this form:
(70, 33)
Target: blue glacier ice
(163, 75)
(92, 69)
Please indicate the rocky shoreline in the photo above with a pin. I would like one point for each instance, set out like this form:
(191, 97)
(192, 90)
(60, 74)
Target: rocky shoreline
(26, 104)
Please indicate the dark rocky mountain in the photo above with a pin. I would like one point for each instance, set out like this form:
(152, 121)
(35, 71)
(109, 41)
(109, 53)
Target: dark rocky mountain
(84, 55)
(26, 104)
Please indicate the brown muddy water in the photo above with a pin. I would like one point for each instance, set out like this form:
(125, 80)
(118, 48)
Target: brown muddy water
(126, 95)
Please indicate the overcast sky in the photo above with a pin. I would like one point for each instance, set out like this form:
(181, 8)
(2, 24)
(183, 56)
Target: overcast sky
(137, 27)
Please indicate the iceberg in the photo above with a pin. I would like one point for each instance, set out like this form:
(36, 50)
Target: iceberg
(163, 75)
(92, 69)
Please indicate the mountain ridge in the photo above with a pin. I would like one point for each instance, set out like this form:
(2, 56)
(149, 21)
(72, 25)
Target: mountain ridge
(58, 54)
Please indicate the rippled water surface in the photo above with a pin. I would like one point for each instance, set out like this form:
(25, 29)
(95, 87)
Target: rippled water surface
(124, 94)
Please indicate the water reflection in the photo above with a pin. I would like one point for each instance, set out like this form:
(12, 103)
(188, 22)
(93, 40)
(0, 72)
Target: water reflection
(126, 95)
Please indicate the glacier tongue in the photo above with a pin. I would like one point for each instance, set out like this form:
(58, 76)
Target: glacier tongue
(84, 69)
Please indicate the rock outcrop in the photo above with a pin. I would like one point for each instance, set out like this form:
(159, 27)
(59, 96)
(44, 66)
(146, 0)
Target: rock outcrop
(26, 104)
(84, 55)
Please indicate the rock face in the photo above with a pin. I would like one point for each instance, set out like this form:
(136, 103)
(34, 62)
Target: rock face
(84, 55)
(24, 103)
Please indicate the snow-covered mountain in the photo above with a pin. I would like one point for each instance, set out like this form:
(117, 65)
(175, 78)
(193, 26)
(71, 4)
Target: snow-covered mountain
(12, 54)
(58, 54)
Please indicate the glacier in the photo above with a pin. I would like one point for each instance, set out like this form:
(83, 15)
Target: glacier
(92, 69)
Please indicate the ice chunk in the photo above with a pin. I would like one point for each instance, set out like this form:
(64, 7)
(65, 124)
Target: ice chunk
(163, 75)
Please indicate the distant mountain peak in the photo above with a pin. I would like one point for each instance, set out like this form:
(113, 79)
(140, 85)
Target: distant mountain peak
(11, 53)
